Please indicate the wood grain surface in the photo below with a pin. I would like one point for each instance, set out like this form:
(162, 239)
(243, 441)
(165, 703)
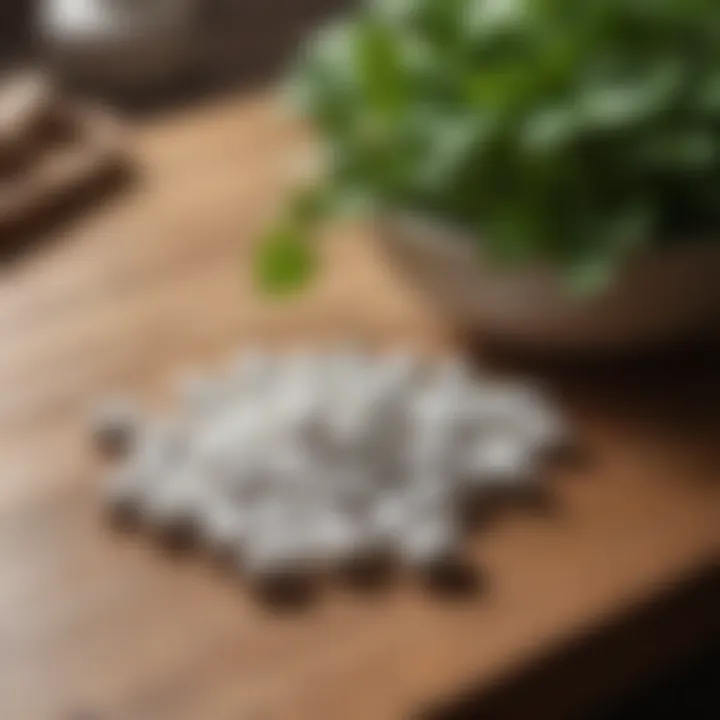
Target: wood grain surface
(101, 625)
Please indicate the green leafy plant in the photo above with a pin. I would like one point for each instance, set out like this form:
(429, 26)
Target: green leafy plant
(563, 132)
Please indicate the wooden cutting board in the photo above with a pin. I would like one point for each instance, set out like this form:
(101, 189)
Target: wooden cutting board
(611, 579)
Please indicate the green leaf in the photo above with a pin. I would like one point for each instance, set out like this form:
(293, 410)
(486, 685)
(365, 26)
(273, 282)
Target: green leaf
(488, 17)
(450, 144)
(710, 94)
(380, 67)
(611, 242)
(310, 206)
(591, 277)
(614, 105)
(689, 150)
(396, 12)
(550, 129)
(284, 262)
(537, 124)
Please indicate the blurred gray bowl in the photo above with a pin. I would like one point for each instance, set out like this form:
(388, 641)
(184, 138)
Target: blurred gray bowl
(118, 45)
(661, 296)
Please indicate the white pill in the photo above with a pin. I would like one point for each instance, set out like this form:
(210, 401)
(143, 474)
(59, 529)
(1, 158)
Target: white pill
(494, 403)
(432, 542)
(501, 459)
(354, 490)
(316, 461)
(437, 407)
(435, 423)
(386, 409)
(288, 468)
(522, 408)
(337, 538)
(270, 514)
(253, 370)
(430, 494)
(156, 452)
(454, 375)
(268, 558)
(200, 393)
(272, 551)
(399, 373)
(236, 467)
(221, 434)
(125, 487)
(297, 405)
(223, 524)
(389, 516)
(543, 425)
(176, 498)
(432, 454)
(347, 370)
(160, 446)
(349, 428)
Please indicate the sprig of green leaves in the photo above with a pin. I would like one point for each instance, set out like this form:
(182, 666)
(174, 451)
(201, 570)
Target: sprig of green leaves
(286, 258)
(565, 133)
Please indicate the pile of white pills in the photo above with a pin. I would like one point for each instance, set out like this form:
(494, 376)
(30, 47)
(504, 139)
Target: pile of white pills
(304, 462)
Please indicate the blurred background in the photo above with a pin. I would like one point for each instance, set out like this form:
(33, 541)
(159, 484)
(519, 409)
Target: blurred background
(188, 55)
(221, 43)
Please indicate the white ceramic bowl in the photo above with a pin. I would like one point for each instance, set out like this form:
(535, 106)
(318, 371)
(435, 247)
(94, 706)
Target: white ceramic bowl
(660, 296)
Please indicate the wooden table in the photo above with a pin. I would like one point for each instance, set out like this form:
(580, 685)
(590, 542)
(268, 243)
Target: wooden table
(97, 624)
